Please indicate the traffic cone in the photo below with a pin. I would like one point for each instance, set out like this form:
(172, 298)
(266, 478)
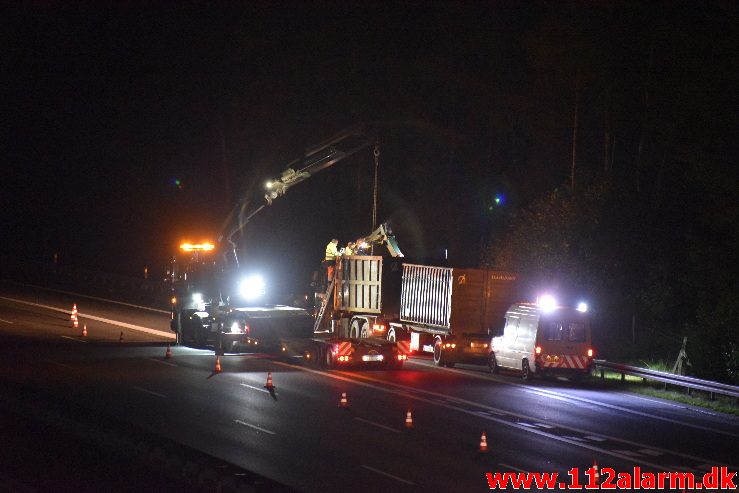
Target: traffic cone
(74, 312)
(168, 353)
(75, 323)
(483, 443)
(596, 476)
(84, 330)
(269, 385)
(120, 339)
(408, 419)
(218, 365)
(343, 402)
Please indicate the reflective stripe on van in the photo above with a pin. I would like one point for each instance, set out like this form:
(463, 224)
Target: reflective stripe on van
(564, 361)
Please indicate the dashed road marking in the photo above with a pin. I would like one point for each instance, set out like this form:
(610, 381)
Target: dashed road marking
(648, 451)
(6, 321)
(147, 391)
(254, 388)
(258, 428)
(383, 473)
(377, 425)
(512, 468)
(596, 438)
(74, 339)
(161, 362)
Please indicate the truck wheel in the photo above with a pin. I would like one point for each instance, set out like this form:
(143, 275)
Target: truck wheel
(391, 335)
(525, 370)
(364, 333)
(493, 363)
(354, 329)
(438, 356)
(328, 360)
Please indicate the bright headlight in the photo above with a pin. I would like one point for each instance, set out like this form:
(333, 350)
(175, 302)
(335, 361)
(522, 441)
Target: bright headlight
(582, 307)
(252, 287)
(546, 303)
(197, 297)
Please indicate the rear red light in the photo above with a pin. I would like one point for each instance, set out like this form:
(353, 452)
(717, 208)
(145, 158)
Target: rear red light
(378, 328)
(538, 349)
(590, 353)
(402, 357)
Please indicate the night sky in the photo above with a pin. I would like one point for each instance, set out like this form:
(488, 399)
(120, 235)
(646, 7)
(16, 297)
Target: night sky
(129, 126)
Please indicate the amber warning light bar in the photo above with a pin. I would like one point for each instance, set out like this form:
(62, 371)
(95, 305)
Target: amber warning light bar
(199, 247)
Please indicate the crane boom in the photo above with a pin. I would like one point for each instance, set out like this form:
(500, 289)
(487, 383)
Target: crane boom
(315, 159)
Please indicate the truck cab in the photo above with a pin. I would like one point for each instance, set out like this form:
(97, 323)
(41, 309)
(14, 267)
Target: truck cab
(542, 339)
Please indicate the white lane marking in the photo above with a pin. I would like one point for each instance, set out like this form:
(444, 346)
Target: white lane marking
(396, 478)
(569, 397)
(377, 425)
(73, 339)
(435, 401)
(254, 388)
(629, 453)
(6, 321)
(596, 438)
(542, 425)
(648, 451)
(58, 364)
(168, 335)
(527, 424)
(161, 362)
(254, 426)
(93, 298)
(575, 438)
(141, 389)
(511, 468)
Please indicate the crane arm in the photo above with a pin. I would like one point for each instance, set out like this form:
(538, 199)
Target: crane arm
(314, 160)
(381, 236)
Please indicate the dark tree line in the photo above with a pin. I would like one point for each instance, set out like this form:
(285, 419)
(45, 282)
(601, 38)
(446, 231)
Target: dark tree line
(647, 223)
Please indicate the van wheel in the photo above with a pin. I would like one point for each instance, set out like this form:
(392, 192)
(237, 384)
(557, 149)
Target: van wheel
(525, 370)
(493, 363)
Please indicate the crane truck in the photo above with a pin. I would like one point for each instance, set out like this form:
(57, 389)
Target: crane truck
(209, 305)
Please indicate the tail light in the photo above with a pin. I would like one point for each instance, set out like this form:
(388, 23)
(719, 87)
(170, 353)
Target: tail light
(538, 349)
(343, 359)
(402, 357)
(590, 353)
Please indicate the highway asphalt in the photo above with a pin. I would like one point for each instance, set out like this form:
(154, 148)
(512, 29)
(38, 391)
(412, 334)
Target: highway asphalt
(300, 436)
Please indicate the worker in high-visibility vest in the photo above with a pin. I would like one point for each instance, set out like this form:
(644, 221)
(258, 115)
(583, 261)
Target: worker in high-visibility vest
(349, 249)
(329, 260)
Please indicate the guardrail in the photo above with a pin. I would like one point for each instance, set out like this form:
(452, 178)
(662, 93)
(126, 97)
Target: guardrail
(690, 383)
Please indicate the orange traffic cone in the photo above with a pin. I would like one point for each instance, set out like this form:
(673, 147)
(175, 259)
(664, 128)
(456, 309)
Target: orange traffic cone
(168, 353)
(218, 365)
(408, 419)
(483, 442)
(120, 339)
(596, 476)
(74, 312)
(75, 323)
(84, 330)
(343, 402)
(269, 385)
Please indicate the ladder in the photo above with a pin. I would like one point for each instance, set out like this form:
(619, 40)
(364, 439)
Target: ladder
(324, 304)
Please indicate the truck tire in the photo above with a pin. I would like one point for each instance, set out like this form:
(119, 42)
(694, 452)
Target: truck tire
(363, 332)
(328, 359)
(391, 335)
(525, 370)
(493, 363)
(355, 329)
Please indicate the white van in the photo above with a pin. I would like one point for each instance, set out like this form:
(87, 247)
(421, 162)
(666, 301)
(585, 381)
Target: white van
(537, 340)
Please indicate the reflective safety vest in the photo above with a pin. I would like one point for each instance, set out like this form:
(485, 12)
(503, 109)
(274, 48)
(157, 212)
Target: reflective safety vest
(331, 251)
